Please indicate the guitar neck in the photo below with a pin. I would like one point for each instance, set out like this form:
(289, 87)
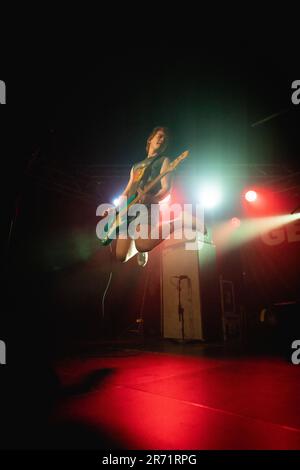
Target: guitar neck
(170, 168)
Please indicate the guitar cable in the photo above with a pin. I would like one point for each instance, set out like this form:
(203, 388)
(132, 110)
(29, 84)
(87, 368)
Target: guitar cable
(108, 282)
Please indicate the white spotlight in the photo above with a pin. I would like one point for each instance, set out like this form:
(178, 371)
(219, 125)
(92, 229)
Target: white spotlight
(116, 201)
(210, 196)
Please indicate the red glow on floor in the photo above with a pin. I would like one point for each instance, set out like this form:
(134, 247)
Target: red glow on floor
(160, 401)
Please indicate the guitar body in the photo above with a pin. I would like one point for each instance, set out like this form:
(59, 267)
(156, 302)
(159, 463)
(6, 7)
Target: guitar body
(112, 229)
(113, 226)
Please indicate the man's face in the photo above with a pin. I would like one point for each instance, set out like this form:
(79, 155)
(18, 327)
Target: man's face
(158, 140)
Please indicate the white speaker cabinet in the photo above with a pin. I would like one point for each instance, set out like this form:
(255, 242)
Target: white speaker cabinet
(191, 306)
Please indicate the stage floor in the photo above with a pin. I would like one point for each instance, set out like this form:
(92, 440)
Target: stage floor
(176, 396)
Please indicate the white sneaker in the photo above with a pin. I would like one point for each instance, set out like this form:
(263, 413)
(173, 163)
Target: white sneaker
(142, 258)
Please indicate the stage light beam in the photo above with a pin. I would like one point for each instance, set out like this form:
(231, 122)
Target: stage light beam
(251, 228)
(235, 222)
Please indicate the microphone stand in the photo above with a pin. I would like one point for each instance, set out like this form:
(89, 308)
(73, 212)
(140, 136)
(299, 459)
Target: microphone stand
(180, 309)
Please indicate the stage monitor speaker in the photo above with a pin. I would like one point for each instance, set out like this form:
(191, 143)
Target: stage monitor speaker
(191, 303)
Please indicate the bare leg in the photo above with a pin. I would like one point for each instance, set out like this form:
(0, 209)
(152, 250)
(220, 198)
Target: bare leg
(125, 249)
(143, 245)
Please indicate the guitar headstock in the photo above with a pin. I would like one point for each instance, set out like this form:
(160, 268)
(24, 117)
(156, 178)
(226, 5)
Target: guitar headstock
(178, 160)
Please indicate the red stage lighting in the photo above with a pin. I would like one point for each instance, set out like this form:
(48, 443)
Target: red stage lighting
(251, 196)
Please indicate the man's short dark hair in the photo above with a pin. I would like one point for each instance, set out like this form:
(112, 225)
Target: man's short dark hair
(155, 130)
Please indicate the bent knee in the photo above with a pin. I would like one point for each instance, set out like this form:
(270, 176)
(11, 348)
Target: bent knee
(121, 257)
(141, 247)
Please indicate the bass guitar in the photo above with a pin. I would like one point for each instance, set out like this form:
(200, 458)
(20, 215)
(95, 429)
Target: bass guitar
(112, 227)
